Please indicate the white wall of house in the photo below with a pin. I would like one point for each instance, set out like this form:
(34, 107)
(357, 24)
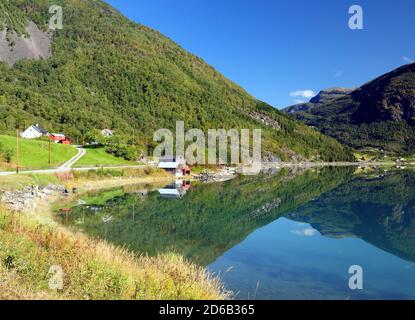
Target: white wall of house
(107, 133)
(30, 133)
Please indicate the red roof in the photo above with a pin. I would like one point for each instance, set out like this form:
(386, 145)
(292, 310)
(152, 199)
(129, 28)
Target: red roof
(57, 137)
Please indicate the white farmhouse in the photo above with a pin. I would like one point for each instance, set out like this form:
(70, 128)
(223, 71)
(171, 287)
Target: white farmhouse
(34, 132)
(107, 133)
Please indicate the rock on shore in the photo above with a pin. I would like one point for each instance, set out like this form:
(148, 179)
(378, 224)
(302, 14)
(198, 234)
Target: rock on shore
(26, 199)
(219, 176)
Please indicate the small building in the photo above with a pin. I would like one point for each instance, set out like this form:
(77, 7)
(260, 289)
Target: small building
(167, 159)
(171, 192)
(178, 166)
(57, 137)
(186, 185)
(66, 141)
(33, 132)
(175, 191)
(107, 133)
(185, 170)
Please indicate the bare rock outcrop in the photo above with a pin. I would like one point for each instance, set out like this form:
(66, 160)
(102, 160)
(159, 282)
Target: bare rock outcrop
(35, 45)
(264, 119)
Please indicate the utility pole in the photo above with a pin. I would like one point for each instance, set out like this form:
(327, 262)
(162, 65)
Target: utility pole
(17, 150)
(49, 153)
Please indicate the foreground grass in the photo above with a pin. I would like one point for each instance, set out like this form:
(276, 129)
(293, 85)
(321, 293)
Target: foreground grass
(31, 243)
(97, 157)
(34, 154)
(92, 269)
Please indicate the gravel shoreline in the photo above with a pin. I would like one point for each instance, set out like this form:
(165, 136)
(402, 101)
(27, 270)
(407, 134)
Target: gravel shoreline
(26, 199)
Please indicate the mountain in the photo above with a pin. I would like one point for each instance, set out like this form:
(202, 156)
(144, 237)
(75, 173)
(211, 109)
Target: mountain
(380, 114)
(103, 71)
(324, 96)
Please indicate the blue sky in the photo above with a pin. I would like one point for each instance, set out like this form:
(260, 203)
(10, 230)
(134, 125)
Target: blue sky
(275, 48)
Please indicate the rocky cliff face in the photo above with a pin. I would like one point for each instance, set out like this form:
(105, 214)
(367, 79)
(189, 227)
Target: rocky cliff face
(331, 94)
(36, 44)
(324, 96)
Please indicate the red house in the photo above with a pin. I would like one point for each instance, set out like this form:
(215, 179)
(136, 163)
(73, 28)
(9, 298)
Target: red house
(66, 141)
(59, 138)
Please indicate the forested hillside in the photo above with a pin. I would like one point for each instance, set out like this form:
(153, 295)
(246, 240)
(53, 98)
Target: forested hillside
(108, 72)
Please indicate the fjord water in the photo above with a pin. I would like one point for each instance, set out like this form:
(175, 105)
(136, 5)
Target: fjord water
(281, 235)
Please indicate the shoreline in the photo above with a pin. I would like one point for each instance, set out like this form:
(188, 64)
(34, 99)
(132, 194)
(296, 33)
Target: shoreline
(336, 164)
(85, 183)
(303, 164)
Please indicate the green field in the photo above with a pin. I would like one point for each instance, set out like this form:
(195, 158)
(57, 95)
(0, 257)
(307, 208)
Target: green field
(33, 154)
(98, 157)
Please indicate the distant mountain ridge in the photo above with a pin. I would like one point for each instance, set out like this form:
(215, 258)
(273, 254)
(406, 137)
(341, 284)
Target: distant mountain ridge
(331, 94)
(379, 114)
(324, 96)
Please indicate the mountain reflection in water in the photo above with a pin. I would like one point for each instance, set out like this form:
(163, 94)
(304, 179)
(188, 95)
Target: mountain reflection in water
(209, 220)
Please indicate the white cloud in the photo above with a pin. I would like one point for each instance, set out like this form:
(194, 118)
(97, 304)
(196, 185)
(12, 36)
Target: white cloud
(407, 60)
(308, 232)
(308, 94)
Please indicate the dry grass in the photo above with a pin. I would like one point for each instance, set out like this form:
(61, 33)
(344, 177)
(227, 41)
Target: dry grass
(89, 179)
(92, 269)
(93, 180)
(12, 288)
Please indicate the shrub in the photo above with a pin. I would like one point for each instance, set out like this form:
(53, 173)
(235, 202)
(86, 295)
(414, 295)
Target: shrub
(109, 173)
(6, 153)
(129, 153)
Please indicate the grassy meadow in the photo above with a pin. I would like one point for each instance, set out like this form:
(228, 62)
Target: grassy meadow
(98, 157)
(34, 154)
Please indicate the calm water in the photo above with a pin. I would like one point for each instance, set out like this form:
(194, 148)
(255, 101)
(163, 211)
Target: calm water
(283, 235)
